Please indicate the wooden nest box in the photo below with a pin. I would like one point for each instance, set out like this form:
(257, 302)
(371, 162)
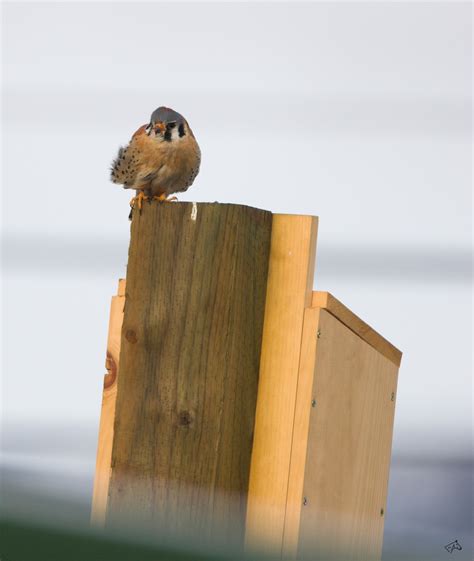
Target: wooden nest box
(238, 400)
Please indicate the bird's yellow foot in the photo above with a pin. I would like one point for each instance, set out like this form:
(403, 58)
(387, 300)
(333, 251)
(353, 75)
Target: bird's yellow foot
(138, 200)
(163, 198)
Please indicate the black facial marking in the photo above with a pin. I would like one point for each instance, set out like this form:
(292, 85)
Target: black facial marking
(167, 135)
(181, 130)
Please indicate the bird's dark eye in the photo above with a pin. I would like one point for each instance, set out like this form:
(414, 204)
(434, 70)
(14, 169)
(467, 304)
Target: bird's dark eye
(171, 125)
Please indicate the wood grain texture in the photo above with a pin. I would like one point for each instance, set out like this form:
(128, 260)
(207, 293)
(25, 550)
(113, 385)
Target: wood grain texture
(359, 327)
(349, 447)
(289, 290)
(107, 416)
(303, 406)
(189, 363)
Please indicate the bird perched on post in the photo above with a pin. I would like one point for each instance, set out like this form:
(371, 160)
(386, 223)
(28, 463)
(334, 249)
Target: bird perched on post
(162, 158)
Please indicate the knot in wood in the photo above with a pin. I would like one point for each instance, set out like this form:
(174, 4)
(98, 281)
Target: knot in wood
(184, 418)
(131, 336)
(111, 367)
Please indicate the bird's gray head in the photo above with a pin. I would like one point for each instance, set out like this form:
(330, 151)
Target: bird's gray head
(166, 124)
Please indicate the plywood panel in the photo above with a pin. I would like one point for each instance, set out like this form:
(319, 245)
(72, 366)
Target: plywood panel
(349, 446)
(191, 342)
(107, 416)
(289, 290)
(353, 322)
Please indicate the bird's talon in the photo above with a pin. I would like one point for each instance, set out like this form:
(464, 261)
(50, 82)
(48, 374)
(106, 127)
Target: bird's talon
(138, 201)
(164, 198)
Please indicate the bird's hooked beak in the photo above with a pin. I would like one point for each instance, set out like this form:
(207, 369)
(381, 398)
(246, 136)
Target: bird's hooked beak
(157, 127)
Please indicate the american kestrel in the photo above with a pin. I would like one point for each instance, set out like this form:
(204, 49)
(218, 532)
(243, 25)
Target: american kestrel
(162, 158)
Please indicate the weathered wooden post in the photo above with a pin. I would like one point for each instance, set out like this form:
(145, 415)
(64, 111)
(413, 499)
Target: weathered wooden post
(189, 363)
(241, 402)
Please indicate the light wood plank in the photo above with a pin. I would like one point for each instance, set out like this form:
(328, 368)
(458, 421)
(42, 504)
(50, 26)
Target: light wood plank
(107, 416)
(304, 403)
(122, 283)
(349, 447)
(289, 290)
(353, 322)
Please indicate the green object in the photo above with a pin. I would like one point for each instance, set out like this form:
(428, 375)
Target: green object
(23, 541)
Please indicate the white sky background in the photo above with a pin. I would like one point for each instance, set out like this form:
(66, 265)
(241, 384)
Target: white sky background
(359, 113)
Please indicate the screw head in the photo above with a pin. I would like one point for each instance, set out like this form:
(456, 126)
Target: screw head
(313, 403)
(392, 397)
(381, 512)
(305, 501)
(318, 333)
